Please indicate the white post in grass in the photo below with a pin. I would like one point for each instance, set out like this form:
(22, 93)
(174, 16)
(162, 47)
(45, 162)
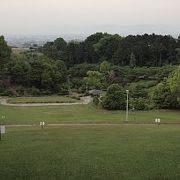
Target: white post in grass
(127, 105)
(2, 127)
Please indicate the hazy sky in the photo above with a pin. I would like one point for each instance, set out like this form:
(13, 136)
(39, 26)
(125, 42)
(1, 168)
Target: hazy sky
(81, 16)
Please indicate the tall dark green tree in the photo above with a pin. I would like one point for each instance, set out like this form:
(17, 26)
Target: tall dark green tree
(148, 50)
(5, 52)
(132, 62)
(72, 53)
(56, 50)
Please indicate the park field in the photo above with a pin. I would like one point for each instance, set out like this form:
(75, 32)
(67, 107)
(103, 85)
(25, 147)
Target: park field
(91, 152)
(81, 114)
(83, 142)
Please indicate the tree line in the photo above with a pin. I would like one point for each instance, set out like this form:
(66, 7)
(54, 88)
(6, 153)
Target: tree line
(164, 95)
(140, 50)
(147, 65)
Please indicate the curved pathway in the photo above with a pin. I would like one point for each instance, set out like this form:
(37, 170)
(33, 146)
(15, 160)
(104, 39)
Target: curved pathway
(84, 100)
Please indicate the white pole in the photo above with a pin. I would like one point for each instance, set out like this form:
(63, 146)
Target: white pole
(127, 105)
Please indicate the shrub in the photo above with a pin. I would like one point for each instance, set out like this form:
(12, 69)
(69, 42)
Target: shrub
(163, 98)
(9, 93)
(2, 86)
(33, 91)
(96, 100)
(20, 91)
(139, 103)
(115, 98)
(137, 91)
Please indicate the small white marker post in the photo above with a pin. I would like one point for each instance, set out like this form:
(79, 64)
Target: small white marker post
(158, 121)
(2, 131)
(42, 124)
(155, 120)
(2, 127)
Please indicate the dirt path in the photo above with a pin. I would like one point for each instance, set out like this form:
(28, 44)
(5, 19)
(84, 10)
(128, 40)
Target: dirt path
(92, 124)
(84, 100)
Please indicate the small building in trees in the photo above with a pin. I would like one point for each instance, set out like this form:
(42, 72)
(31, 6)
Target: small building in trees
(95, 92)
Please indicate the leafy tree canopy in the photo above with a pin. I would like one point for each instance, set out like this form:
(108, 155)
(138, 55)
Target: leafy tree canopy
(5, 52)
(115, 98)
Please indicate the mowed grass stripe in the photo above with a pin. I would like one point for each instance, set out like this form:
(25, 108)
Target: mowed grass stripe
(42, 99)
(80, 114)
(91, 153)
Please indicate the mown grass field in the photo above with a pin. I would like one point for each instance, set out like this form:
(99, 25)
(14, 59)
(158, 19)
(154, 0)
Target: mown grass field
(43, 99)
(80, 114)
(119, 152)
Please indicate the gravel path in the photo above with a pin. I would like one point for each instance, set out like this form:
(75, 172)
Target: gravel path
(84, 100)
(92, 124)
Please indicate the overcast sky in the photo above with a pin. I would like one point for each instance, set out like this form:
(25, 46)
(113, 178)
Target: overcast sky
(84, 16)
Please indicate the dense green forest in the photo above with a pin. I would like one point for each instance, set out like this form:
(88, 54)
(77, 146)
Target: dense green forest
(145, 50)
(147, 65)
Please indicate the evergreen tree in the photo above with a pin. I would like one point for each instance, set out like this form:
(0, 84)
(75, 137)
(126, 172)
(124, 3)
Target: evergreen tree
(132, 62)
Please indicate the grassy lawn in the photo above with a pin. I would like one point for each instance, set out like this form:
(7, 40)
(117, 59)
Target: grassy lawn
(80, 114)
(122, 152)
(43, 99)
